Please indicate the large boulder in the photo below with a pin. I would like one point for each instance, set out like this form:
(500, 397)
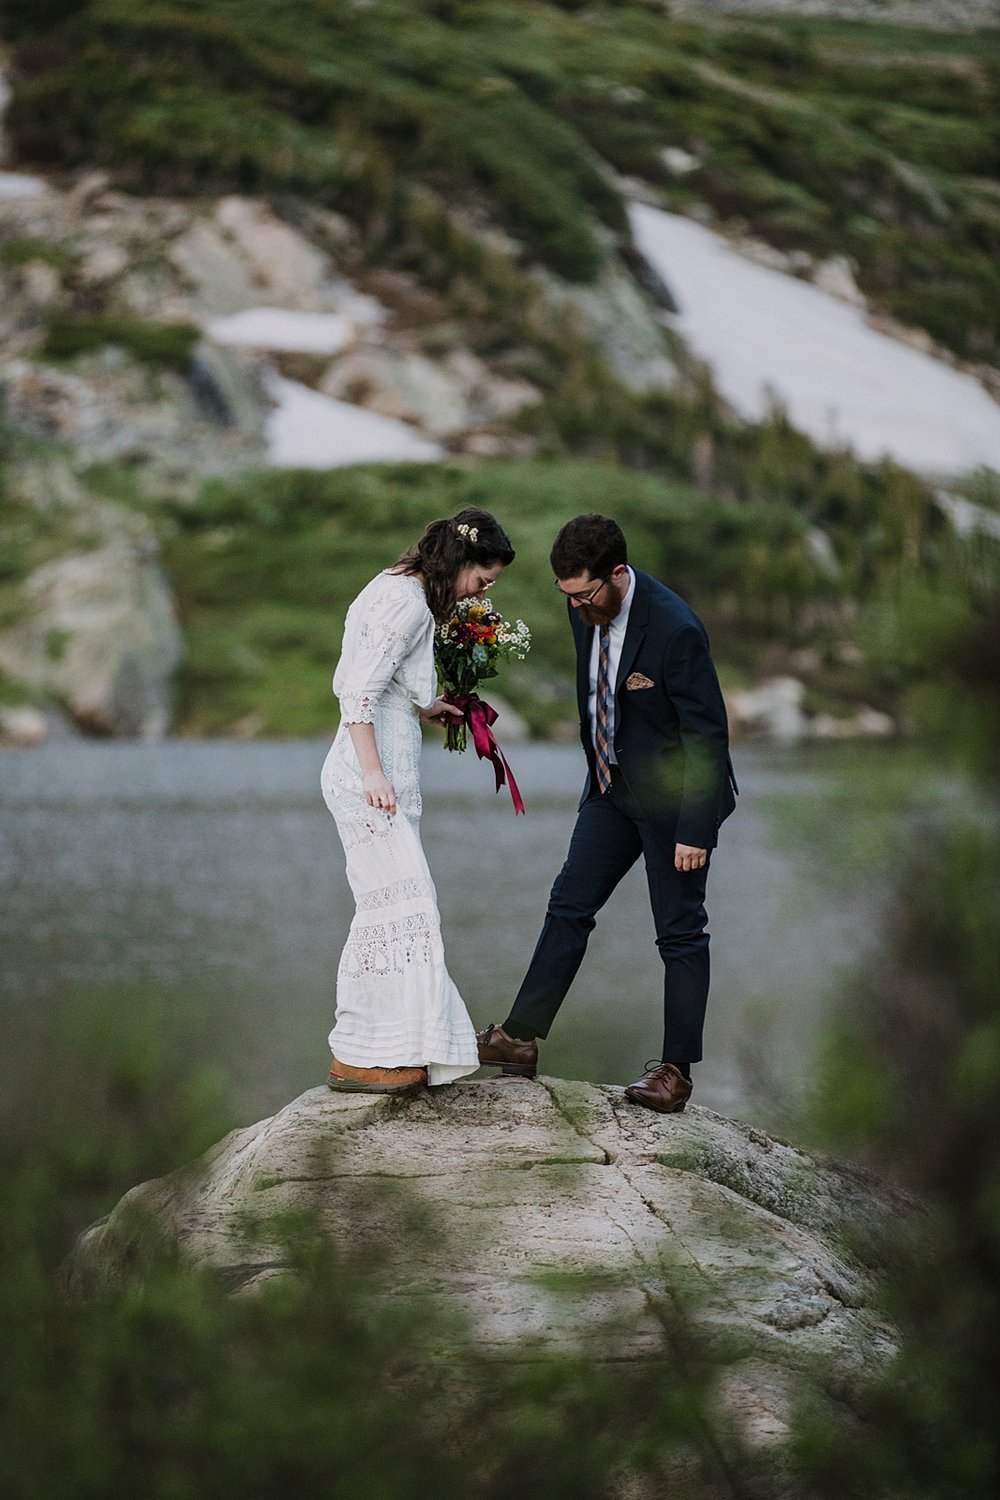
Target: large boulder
(773, 709)
(111, 409)
(621, 321)
(293, 271)
(443, 397)
(244, 255)
(560, 1213)
(217, 279)
(48, 402)
(22, 726)
(98, 631)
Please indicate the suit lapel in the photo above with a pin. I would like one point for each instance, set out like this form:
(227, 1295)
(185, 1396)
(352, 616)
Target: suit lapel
(584, 638)
(635, 631)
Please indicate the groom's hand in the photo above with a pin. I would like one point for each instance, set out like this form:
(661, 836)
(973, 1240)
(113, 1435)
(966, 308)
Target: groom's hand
(439, 712)
(687, 857)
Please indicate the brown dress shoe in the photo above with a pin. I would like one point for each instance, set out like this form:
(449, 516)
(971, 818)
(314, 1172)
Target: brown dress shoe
(347, 1080)
(498, 1049)
(664, 1088)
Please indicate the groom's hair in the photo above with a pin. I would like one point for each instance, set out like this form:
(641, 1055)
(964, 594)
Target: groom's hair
(588, 544)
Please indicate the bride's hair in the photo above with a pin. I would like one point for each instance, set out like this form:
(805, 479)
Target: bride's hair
(448, 546)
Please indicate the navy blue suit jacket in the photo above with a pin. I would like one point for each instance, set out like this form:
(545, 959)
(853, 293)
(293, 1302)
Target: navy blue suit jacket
(672, 738)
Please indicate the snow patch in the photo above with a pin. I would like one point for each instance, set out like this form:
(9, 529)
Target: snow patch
(21, 185)
(766, 336)
(968, 518)
(308, 430)
(280, 329)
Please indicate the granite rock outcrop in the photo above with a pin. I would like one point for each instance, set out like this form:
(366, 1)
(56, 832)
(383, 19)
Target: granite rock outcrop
(559, 1215)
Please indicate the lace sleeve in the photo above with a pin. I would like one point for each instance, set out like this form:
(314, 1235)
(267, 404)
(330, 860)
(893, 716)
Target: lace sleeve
(357, 708)
(392, 624)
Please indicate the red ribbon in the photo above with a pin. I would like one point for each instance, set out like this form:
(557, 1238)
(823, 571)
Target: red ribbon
(480, 716)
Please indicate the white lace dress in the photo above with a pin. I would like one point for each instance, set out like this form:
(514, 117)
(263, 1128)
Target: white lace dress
(397, 1005)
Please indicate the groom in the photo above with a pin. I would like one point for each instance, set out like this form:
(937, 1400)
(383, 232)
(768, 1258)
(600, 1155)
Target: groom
(659, 784)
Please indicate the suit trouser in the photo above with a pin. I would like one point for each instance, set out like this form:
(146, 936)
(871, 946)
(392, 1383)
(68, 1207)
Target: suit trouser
(611, 832)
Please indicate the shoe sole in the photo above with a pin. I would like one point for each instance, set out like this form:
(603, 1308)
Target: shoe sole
(351, 1086)
(512, 1070)
(676, 1109)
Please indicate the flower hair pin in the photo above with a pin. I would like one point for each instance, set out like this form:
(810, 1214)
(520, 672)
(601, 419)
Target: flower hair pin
(471, 533)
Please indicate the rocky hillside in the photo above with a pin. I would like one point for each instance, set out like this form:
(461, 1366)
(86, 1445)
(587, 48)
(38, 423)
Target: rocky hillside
(937, 15)
(219, 322)
(318, 237)
(875, 143)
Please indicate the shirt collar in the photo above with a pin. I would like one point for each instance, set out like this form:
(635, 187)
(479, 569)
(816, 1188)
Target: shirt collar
(621, 618)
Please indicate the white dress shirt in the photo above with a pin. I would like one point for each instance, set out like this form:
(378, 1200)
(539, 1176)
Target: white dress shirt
(616, 640)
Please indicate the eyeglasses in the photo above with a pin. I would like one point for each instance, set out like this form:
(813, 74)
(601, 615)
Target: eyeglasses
(585, 598)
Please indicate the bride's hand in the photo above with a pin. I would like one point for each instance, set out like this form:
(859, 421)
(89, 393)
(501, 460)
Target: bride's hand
(439, 712)
(379, 791)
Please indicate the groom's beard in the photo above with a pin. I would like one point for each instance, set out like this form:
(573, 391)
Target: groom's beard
(595, 614)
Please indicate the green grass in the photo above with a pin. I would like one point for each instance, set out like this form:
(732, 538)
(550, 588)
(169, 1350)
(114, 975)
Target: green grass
(13, 694)
(20, 252)
(877, 142)
(168, 345)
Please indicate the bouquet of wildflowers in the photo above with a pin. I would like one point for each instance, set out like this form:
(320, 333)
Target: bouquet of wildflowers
(468, 649)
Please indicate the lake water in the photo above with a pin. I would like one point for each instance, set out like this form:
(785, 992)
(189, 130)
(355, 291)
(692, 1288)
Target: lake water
(211, 873)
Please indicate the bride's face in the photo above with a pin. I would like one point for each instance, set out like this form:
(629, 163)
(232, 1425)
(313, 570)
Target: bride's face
(476, 579)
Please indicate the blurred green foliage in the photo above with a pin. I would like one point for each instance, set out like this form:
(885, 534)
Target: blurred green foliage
(911, 1072)
(867, 140)
(318, 1384)
(21, 252)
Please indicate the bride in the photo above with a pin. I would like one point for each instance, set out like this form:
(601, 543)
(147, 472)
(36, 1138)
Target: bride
(400, 1020)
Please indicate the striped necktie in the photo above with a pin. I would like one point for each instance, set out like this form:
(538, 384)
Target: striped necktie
(601, 725)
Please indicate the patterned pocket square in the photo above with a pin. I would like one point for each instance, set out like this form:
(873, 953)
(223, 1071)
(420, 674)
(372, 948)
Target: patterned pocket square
(637, 680)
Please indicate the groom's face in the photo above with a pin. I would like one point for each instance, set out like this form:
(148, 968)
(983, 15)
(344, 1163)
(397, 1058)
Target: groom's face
(598, 601)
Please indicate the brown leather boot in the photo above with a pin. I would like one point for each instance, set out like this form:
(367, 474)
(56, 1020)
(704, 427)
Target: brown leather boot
(664, 1089)
(348, 1080)
(497, 1049)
